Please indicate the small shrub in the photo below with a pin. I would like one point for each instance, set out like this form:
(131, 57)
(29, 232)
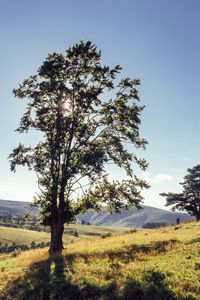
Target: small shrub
(16, 252)
(76, 233)
(189, 257)
(154, 276)
(133, 230)
(33, 245)
(106, 235)
(152, 225)
(42, 245)
(197, 266)
(197, 240)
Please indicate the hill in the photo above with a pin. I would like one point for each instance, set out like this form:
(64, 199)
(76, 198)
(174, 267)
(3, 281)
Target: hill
(15, 208)
(23, 236)
(127, 218)
(133, 217)
(158, 264)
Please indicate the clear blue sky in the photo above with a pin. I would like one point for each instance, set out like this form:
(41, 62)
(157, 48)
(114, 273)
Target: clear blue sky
(157, 41)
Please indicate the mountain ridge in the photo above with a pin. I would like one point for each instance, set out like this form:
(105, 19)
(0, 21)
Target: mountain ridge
(132, 217)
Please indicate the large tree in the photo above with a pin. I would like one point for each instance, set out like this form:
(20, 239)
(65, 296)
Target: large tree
(88, 119)
(189, 199)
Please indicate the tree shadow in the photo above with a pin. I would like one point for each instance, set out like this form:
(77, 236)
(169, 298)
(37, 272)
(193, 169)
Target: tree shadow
(52, 279)
(46, 280)
(152, 287)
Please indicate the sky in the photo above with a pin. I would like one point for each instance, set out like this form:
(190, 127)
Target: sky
(157, 41)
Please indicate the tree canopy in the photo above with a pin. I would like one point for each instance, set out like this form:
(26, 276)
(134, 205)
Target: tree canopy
(88, 120)
(189, 199)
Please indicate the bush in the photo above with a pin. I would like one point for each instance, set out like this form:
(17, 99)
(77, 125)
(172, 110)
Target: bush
(154, 276)
(16, 252)
(197, 266)
(151, 225)
(76, 233)
(33, 245)
(106, 235)
(42, 245)
(133, 230)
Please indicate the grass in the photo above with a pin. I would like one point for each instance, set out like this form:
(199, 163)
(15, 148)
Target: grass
(23, 236)
(89, 231)
(148, 264)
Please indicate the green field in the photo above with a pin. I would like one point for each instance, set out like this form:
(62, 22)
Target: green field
(160, 264)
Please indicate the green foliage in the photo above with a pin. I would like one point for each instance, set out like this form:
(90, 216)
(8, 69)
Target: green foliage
(189, 199)
(197, 266)
(76, 233)
(153, 276)
(33, 245)
(16, 249)
(133, 230)
(154, 224)
(84, 127)
(106, 235)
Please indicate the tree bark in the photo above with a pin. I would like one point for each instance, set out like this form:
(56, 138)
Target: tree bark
(57, 229)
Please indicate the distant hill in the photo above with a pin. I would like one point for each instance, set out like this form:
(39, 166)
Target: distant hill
(133, 217)
(15, 208)
(127, 218)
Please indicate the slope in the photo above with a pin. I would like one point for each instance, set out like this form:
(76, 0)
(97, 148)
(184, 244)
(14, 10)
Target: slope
(133, 217)
(23, 236)
(148, 264)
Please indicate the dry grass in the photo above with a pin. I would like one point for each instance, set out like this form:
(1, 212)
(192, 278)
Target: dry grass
(150, 264)
(23, 236)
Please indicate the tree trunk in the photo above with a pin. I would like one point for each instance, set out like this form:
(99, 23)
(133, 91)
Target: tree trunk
(57, 229)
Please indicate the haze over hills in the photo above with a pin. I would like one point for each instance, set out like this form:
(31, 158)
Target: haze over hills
(15, 208)
(133, 217)
(127, 218)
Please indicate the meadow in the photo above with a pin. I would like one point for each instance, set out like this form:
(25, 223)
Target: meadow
(139, 265)
(11, 235)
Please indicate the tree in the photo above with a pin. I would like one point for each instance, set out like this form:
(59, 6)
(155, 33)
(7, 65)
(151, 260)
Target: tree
(189, 199)
(87, 120)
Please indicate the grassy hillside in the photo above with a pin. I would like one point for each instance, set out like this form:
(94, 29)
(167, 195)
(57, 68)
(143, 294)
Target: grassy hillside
(22, 236)
(145, 265)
